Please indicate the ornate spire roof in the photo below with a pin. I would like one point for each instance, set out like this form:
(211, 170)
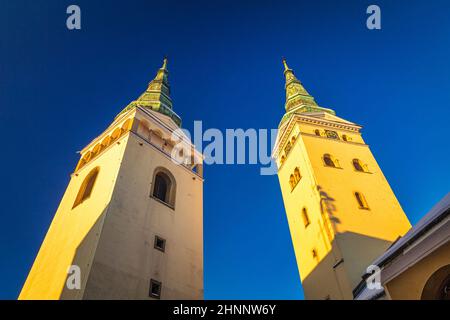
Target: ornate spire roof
(296, 94)
(297, 98)
(157, 95)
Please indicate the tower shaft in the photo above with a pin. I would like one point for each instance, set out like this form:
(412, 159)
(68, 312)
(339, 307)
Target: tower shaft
(341, 211)
(130, 224)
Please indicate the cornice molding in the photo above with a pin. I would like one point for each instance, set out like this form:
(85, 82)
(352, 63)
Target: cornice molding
(108, 130)
(297, 118)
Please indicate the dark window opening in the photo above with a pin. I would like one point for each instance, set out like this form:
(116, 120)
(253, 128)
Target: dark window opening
(328, 161)
(361, 201)
(164, 187)
(292, 182)
(155, 289)
(357, 165)
(161, 187)
(287, 148)
(315, 255)
(331, 134)
(305, 217)
(160, 244)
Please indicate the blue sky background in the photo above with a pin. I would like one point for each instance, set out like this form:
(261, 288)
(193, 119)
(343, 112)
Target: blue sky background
(59, 89)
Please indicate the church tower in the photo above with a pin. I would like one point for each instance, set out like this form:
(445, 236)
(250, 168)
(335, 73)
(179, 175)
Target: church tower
(341, 211)
(130, 224)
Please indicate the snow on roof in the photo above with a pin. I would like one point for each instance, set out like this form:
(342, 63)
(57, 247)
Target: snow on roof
(370, 294)
(436, 214)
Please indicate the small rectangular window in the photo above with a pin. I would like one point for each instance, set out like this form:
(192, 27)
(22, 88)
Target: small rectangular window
(155, 289)
(160, 244)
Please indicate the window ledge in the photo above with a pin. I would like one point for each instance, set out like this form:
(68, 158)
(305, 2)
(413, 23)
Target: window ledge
(292, 190)
(80, 203)
(332, 167)
(162, 202)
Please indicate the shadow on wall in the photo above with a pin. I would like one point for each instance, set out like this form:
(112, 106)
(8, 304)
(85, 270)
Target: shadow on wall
(338, 273)
(84, 257)
(327, 210)
(100, 281)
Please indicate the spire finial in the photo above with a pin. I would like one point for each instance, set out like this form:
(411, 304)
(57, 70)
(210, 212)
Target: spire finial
(164, 66)
(286, 67)
(298, 100)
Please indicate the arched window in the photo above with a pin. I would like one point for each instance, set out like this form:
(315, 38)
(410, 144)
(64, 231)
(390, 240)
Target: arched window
(305, 217)
(97, 149)
(292, 182)
(358, 165)
(122, 132)
(106, 141)
(287, 148)
(361, 200)
(115, 135)
(143, 128)
(84, 160)
(102, 147)
(158, 133)
(329, 161)
(317, 132)
(437, 286)
(86, 187)
(127, 125)
(157, 138)
(297, 175)
(283, 158)
(164, 186)
(344, 137)
(88, 156)
(293, 140)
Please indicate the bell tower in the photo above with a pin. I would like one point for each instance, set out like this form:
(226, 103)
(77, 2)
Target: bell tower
(130, 224)
(341, 211)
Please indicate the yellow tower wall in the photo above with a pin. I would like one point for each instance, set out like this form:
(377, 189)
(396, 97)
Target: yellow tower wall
(318, 234)
(110, 235)
(126, 259)
(72, 227)
(346, 239)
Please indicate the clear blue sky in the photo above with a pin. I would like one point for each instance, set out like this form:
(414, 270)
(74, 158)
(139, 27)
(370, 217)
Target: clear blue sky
(59, 89)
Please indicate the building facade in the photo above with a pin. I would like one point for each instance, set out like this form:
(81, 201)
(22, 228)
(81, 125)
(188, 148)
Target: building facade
(341, 211)
(131, 219)
(417, 266)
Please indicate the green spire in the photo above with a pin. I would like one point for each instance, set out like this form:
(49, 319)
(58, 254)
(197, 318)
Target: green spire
(298, 100)
(296, 94)
(157, 95)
